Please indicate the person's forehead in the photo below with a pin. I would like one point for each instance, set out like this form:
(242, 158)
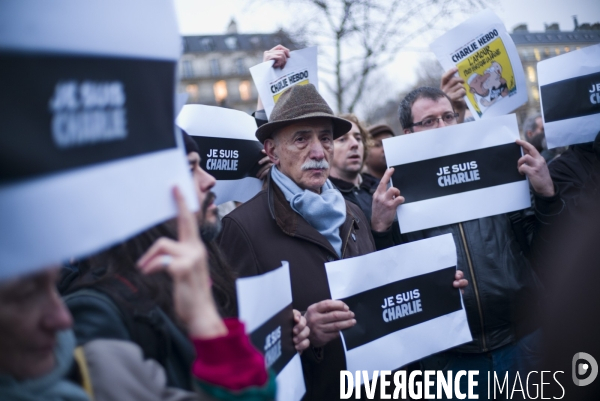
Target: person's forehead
(382, 136)
(425, 107)
(312, 124)
(7, 287)
(353, 131)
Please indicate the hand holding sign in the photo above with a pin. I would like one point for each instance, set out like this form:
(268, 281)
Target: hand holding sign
(301, 332)
(275, 328)
(460, 281)
(404, 303)
(534, 166)
(458, 173)
(326, 319)
(279, 54)
(279, 71)
(385, 202)
(483, 54)
(186, 261)
(265, 166)
(454, 86)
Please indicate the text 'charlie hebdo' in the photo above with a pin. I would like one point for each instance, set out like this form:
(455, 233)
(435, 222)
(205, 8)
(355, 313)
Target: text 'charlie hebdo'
(88, 112)
(474, 45)
(287, 81)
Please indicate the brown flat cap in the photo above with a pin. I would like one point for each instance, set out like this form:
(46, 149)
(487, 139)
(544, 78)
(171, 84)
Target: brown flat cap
(380, 129)
(298, 103)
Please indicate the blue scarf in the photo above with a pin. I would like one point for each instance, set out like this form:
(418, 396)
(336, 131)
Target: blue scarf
(325, 212)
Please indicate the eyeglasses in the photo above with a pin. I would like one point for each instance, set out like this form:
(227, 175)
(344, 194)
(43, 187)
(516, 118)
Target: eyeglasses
(448, 118)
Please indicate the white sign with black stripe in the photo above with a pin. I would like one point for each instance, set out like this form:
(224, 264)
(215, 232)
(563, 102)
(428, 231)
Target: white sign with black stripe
(265, 307)
(88, 152)
(404, 303)
(229, 150)
(570, 96)
(457, 173)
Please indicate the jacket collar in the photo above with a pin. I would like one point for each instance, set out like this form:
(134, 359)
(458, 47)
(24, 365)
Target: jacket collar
(292, 224)
(369, 184)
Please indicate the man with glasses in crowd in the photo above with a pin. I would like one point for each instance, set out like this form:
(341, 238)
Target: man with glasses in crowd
(491, 252)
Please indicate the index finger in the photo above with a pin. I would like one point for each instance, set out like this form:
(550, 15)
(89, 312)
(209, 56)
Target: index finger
(187, 227)
(448, 74)
(385, 180)
(527, 147)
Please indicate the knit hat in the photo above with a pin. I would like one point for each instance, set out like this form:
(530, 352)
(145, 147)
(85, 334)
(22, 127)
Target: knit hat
(298, 103)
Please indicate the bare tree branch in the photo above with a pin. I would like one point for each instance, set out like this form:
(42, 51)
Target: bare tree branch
(360, 37)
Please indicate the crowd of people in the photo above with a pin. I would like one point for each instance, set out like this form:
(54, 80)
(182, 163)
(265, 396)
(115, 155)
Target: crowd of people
(155, 317)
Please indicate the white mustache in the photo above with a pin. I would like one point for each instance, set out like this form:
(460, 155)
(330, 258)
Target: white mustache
(312, 164)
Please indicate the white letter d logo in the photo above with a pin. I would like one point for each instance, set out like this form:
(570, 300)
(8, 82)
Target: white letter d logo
(583, 368)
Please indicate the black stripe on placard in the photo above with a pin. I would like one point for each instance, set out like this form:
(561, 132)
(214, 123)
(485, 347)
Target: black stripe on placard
(573, 97)
(61, 112)
(457, 173)
(274, 339)
(228, 158)
(413, 301)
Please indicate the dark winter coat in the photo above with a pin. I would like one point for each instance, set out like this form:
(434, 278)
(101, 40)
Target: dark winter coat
(577, 174)
(502, 286)
(264, 231)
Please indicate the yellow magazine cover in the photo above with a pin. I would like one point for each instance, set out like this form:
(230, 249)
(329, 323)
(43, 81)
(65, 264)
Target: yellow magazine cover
(488, 75)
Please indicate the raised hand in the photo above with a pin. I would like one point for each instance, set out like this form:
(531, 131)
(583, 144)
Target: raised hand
(454, 87)
(186, 261)
(534, 166)
(385, 202)
(279, 53)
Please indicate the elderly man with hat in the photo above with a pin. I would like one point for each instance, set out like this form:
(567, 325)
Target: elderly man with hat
(300, 217)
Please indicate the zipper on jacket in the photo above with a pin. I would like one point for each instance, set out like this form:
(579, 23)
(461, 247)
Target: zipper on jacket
(464, 240)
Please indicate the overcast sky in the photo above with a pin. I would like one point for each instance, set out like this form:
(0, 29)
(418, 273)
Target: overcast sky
(197, 17)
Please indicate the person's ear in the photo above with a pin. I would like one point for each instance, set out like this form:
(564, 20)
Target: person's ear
(271, 151)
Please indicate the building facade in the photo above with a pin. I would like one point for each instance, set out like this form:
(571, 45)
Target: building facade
(214, 69)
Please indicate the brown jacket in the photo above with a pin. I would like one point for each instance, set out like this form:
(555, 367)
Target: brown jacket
(264, 231)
